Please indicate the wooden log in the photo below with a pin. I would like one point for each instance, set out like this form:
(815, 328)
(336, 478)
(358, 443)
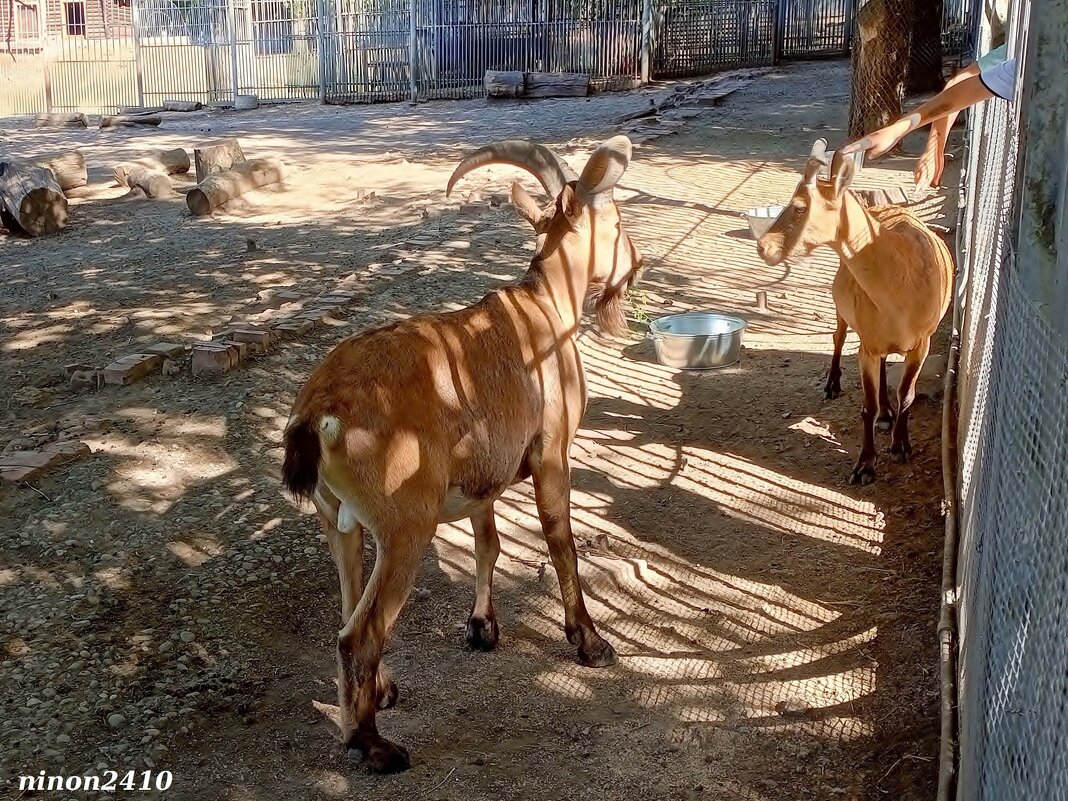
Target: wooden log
(134, 111)
(223, 187)
(129, 120)
(153, 183)
(218, 156)
(67, 168)
(31, 200)
(500, 83)
(168, 162)
(182, 105)
(61, 121)
(556, 84)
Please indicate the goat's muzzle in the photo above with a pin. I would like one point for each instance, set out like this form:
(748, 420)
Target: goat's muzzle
(770, 248)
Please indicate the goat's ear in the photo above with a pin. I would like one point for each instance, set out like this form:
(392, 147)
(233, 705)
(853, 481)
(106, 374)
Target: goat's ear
(843, 170)
(569, 203)
(812, 171)
(526, 206)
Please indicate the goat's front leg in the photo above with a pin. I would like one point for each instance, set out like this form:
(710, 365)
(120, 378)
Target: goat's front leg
(885, 420)
(360, 643)
(482, 630)
(552, 492)
(900, 447)
(864, 470)
(834, 376)
(347, 550)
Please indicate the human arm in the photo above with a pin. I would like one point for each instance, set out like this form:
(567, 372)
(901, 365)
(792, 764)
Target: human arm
(929, 166)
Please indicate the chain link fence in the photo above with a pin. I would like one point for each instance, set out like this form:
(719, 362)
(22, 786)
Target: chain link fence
(1012, 568)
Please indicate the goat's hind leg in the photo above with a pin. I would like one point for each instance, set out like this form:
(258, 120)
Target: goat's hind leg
(347, 550)
(900, 447)
(885, 420)
(360, 643)
(834, 376)
(482, 630)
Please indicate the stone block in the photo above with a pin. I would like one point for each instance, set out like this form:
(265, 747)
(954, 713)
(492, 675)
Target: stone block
(210, 358)
(132, 368)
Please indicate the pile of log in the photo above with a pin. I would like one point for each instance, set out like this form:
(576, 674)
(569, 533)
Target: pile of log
(31, 201)
(150, 173)
(666, 114)
(502, 83)
(223, 173)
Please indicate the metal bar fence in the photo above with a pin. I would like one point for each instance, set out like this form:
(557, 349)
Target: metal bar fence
(93, 57)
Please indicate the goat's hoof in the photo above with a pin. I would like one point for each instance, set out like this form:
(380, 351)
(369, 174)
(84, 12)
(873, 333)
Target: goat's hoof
(598, 655)
(885, 423)
(832, 391)
(379, 755)
(388, 693)
(863, 474)
(482, 633)
(900, 452)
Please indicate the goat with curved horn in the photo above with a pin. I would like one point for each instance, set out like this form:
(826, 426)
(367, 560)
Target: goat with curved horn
(431, 419)
(552, 172)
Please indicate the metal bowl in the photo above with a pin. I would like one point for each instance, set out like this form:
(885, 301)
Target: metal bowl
(761, 218)
(697, 340)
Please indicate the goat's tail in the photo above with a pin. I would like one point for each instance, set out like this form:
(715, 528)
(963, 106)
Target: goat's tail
(304, 451)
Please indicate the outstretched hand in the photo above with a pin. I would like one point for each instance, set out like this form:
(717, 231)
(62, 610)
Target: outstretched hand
(879, 142)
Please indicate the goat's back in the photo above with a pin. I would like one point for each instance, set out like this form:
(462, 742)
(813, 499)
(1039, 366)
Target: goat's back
(894, 292)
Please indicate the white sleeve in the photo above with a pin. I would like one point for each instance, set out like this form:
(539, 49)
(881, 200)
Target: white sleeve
(1001, 79)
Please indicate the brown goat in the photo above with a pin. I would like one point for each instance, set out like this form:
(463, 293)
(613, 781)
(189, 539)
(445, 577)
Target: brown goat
(431, 419)
(892, 287)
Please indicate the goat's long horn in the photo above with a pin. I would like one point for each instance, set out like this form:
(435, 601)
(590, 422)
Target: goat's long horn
(604, 169)
(819, 150)
(551, 171)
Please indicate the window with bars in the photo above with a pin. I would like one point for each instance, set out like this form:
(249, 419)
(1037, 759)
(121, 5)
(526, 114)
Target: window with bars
(74, 17)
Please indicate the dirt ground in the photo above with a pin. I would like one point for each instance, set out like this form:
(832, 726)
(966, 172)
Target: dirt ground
(164, 605)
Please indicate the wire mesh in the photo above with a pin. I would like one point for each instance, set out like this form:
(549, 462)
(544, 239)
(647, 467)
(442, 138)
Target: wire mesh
(1013, 465)
(817, 27)
(698, 36)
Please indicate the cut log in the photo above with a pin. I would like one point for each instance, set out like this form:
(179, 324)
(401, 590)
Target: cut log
(499, 83)
(31, 200)
(168, 162)
(218, 156)
(61, 121)
(182, 105)
(130, 120)
(223, 187)
(134, 111)
(153, 183)
(556, 84)
(68, 169)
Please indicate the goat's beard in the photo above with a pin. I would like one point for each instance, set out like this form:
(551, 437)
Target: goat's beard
(607, 302)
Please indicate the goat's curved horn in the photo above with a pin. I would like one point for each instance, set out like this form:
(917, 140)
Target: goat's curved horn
(551, 171)
(819, 150)
(604, 169)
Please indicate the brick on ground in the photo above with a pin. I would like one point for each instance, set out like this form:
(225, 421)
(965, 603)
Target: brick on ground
(241, 348)
(213, 357)
(257, 339)
(27, 465)
(293, 328)
(168, 350)
(129, 369)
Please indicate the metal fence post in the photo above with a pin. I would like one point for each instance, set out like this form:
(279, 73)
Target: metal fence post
(135, 13)
(231, 20)
(779, 32)
(320, 27)
(412, 79)
(647, 40)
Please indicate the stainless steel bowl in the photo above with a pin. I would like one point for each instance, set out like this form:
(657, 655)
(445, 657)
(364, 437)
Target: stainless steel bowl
(697, 340)
(761, 218)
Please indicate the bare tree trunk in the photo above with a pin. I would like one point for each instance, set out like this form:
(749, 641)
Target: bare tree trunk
(925, 53)
(880, 64)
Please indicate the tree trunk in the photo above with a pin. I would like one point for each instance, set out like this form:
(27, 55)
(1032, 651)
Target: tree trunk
(167, 162)
(880, 64)
(218, 156)
(31, 200)
(61, 121)
(153, 183)
(925, 52)
(130, 121)
(223, 187)
(68, 168)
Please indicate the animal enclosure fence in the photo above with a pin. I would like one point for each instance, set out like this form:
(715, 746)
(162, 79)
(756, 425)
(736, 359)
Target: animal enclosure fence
(1012, 510)
(98, 57)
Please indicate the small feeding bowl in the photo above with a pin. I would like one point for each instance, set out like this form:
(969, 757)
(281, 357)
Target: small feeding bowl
(761, 218)
(697, 340)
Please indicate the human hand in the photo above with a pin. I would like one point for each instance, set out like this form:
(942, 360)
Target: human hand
(881, 141)
(931, 163)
